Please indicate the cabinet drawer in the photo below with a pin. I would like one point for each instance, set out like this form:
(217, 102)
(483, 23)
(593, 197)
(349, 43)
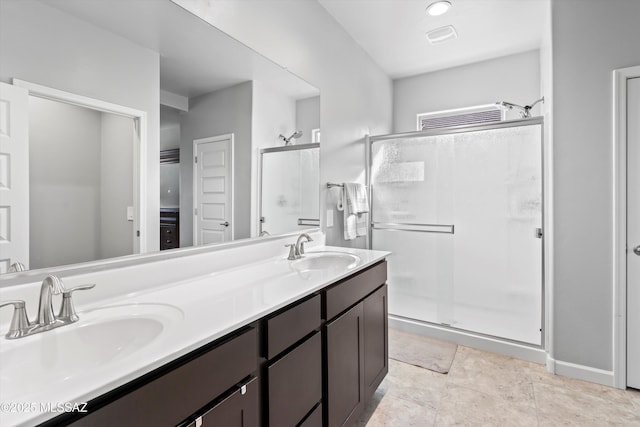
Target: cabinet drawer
(240, 409)
(181, 392)
(290, 326)
(348, 292)
(295, 383)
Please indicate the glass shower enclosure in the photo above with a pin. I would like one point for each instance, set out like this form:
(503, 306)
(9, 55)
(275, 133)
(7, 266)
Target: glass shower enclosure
(461, 211)
(289, 188)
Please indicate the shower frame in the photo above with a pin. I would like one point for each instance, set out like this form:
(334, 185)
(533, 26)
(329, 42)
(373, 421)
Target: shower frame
(311, 222)
(463, 336)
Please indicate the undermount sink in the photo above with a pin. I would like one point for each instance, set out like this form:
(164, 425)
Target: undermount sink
(101, 336)
(327, 261)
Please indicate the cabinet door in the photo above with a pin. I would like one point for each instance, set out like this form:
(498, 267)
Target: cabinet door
(376, 350)
(295, 383)
(345, 361)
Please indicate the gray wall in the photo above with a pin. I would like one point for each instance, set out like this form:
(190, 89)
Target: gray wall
(307, 117)
(64, 178)
(218, 113)
(116, 185)
(273, 114)
(355, 94)
(513, 78)
(42, 45)
(590, 40)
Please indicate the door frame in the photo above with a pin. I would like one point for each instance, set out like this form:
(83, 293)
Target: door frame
(139, 147)
(194, 190)
(620, 78)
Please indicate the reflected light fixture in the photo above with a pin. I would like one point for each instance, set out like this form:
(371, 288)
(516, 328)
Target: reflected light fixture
(438, 8)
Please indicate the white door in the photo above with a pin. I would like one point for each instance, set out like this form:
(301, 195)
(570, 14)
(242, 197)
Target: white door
(14, 176)
(633, 233)
(213, 189)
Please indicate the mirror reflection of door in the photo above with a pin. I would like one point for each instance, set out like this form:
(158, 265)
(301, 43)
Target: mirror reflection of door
(81, 184)
(14, 176)
(80, 166)
(213, 187)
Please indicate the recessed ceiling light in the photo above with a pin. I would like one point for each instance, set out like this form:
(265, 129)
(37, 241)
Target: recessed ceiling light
(438, 8)
(442, 34)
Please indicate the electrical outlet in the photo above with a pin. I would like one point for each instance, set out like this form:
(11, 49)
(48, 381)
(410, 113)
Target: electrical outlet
(329, 218)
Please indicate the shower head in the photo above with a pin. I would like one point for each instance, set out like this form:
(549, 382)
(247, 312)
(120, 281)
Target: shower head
(287, 141)
(525, 112)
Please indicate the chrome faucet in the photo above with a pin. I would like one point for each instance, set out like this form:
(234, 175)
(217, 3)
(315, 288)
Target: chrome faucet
(300, 244)
(51, 285)
(296, 250)
(46, 320)
(16, 267)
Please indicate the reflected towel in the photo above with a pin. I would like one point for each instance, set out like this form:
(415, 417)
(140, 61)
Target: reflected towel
(355, 206)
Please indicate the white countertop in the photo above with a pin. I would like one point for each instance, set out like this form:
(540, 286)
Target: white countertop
(193, 312)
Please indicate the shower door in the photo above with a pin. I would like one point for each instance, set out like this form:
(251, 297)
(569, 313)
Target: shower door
(289, 188)
(461, 212)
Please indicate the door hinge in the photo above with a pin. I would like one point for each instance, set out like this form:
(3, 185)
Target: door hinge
(538, 233)
(138, 233)
(195, 211)
(195, 159)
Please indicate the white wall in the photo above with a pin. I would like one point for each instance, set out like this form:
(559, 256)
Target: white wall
(64, 192)
(590, 40)
(307, 118)
(40, 44)
(218, 113)
(272, 114)
(355, 94)
(513, 78)
(169, 128)
(116, 185)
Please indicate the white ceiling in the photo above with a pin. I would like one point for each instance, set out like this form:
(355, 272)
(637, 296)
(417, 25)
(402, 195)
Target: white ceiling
(393, 31)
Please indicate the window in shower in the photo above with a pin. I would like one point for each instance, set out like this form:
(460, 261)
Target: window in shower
(461, 116)
(459, 212)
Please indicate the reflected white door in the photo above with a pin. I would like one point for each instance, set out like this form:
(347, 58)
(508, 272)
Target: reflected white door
(213, 188)
(633, 233)
(14, 176)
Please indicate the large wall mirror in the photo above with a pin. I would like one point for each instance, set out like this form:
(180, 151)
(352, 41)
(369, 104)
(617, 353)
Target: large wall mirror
(146, 127)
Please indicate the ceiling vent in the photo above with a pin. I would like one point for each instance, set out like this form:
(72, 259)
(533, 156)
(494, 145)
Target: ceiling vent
(442, 34)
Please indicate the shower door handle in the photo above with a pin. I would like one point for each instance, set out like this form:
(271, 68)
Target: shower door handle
(226, 223)
(636, 250)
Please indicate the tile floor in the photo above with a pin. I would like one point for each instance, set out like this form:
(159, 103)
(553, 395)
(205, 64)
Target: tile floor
(488, 389)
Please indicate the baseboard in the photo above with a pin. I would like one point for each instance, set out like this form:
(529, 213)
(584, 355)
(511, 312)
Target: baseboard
(581, 372)
(508, 348)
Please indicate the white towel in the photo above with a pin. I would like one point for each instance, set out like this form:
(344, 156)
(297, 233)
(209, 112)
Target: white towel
(355, 206)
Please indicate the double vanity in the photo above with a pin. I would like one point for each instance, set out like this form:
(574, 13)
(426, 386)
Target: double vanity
(235, 336)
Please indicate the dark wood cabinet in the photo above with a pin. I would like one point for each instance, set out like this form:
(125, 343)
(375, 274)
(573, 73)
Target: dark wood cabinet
(313, 363)
(239, 409)
(376, 345)
(295, 383)
(177, 393)
(345, 362)
(356, 344)
(169, 228)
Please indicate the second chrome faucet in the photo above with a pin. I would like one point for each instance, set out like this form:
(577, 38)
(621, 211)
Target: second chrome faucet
(296, 250)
